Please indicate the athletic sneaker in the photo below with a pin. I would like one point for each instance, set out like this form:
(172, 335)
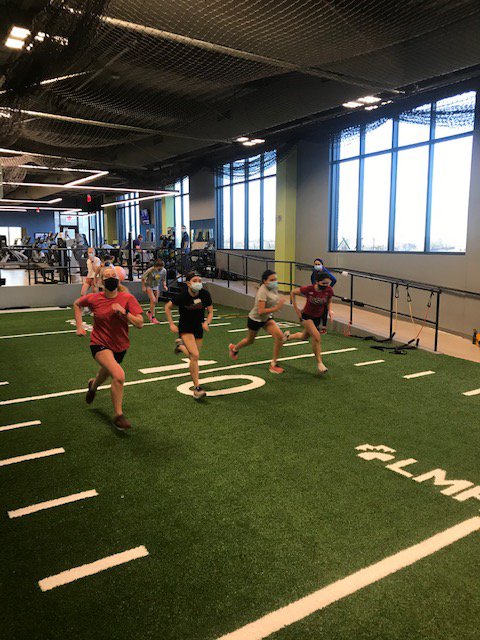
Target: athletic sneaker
(321, 368)
(149, 315)
(178, 343)
(231, 350)
(90, 392)
(274, 368)
(323, 331)
(199, 393)
(286, 336)
(121, 423)
(155, 321)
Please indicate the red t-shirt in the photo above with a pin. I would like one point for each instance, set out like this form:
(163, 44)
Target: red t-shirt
(109, 328)
(316, 300)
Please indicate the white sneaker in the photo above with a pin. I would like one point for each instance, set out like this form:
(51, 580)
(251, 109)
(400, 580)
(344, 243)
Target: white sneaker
(321, 368)
(286, 336)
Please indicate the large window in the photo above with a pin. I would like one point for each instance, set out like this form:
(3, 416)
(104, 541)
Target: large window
(128, 216)
(181, 204)
(11, 233)
(403, 183)
(246, 203)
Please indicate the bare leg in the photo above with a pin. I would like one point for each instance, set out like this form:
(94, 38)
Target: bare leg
(313, 332)
(107, 361)
(151, 296)
(192, 348)
(100, 378)
(246, 342)
(274, 330)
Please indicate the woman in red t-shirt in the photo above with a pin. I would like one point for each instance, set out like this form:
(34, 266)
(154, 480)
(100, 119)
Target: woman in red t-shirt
(319, 296)
(112, 310)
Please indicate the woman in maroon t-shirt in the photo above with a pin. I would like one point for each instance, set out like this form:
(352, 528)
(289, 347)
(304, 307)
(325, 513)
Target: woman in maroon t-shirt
(319, 296)
(112, 310)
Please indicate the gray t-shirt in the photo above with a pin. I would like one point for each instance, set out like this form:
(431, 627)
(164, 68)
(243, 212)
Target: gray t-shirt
(271, 300)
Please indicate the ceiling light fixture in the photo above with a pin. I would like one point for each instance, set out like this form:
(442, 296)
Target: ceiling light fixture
(21, 202)
(133, 200)
(39, 206)
(19, 32)
(64, 187)
(249, 143)
(371, 107)
(242, 139)
(13, 43)
(95, 176)
(352, 104)
(369, 100)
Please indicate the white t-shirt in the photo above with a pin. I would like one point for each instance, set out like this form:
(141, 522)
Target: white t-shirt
(271, 300)
(92, 264)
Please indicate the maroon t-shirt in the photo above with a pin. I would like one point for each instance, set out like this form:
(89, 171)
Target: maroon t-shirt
(110, 329)
(316, 300)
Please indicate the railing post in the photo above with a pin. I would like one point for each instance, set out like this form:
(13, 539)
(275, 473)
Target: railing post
(228, 270)
(437, 318)
(391, 308)
(246, 274)
(351, 298)
(291, 279)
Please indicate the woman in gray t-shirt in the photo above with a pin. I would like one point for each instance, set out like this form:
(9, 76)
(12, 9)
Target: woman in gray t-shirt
(267, 302)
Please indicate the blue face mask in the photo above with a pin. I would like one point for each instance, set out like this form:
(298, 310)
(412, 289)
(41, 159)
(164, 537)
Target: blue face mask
(196, 287)
(318, 267)
(273, 286)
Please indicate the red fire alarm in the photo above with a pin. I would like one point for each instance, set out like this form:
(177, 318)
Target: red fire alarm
(89, 198)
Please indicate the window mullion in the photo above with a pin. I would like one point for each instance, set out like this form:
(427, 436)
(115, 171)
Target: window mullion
(361, 174)
(431, 153)
(393, 188)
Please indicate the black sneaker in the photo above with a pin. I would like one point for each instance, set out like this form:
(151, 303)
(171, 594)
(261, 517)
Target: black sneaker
(199, 393)
(90, 397)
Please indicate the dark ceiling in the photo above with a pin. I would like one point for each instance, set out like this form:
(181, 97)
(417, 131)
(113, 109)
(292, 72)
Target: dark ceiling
(153, 82)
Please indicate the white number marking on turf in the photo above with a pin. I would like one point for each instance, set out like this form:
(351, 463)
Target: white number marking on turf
(419, 374)
(31, 456)
(3, 383)
(364, 364)
(49, 504)
(177, 367)
(71, 575)
(34, 309)
(300, 609)
(255, 383)
(71, 392)
(18, 425)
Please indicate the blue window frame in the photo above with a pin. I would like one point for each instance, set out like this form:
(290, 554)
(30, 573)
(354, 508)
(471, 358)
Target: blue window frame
(181, 207)
(246, 203)
(128, 216)
(402, 184)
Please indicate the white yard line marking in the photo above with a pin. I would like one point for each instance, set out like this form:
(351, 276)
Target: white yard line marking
(419, 374)
(31, 456)
(177, 367)
(244, 330)
(44, 333)
(34, 309)
(72, 392)
(364, 364)
(296, 343)
(474, 392)
(49, 504)
(18, 425)
(300, 609)
(3, 383)
(90, 569)
(221, 324)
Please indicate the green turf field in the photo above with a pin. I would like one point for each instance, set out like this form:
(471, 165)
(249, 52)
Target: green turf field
(245, 502)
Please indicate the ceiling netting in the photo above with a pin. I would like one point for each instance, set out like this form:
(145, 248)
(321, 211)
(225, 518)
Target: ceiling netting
(157, 67)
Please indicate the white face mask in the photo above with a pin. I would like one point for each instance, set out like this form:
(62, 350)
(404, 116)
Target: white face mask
(196, 287)
(272, 285)
(318, 267)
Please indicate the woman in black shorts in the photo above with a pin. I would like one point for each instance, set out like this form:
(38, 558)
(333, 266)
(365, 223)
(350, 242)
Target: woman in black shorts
(319, 299)
(112, 310)
(191, 302)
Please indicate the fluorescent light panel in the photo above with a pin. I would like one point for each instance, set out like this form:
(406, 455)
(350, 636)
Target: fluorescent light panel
(62, 187)
(22, 202)
(13, 43)
(352, 104)
(19, 32)
(369, 100)
(133, 200)
(29, 208)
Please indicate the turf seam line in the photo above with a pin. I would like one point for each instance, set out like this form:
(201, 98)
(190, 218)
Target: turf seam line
(72, 392)
(31, 456)
(49, 504)
(306, 606)
(18, 425)
(71, 575)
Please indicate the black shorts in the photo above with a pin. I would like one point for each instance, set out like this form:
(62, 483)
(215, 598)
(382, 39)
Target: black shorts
(316, 321)
(197, 331)
(118, 355)
(254, 325)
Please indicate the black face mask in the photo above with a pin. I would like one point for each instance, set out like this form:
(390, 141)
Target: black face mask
(111, 284)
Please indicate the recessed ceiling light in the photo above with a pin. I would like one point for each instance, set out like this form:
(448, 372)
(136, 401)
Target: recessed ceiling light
(258, 141)
(13, 43)
(242, 139)
(369, 100)
(19, 32)
(352, 104)
(54, 201)
(249, 143)
(373, 106)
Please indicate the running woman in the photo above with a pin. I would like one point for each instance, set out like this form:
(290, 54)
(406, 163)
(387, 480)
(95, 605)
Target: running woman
(112, 311)
(93, 263)
(191, 302)
(267, 302)
(154, 280)
(319, 297)
(319, 267)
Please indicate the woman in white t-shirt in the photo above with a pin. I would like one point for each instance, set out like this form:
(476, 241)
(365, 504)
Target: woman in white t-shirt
(267, 302)
(93, 263)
